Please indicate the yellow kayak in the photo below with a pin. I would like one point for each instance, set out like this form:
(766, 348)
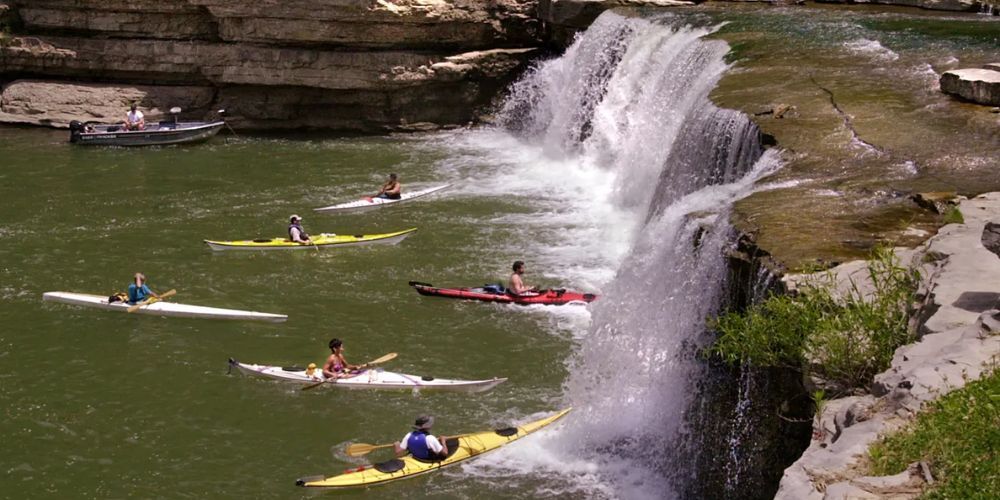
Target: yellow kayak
(318, 241)
(461, 448)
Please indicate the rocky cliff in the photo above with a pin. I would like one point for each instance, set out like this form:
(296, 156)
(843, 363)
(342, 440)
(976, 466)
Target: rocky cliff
(960, 342)
(365, 65)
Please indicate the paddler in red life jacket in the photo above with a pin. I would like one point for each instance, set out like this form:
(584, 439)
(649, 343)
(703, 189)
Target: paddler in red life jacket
(336, 366)
(421, 443)
(392, 189)
(295, 231)
(517, 286)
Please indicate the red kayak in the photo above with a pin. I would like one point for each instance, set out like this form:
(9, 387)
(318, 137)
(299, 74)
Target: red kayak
(496, 293)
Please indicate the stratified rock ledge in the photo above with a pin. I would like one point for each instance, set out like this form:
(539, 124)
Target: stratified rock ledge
(979, 85)
(961, 342)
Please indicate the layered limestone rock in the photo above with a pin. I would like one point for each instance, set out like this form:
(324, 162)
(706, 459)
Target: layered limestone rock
(360, 65)
(56, 104)
(979, 85)
(961, 343)
(396, 24)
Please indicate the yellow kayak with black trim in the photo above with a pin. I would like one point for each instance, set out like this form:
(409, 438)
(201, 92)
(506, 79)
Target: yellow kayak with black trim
(460, 448)
(318, 241)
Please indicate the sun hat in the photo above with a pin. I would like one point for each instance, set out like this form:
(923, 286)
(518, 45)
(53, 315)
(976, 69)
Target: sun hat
(423, 422)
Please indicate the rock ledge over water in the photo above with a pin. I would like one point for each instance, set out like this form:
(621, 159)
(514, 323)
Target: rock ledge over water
(960, 342)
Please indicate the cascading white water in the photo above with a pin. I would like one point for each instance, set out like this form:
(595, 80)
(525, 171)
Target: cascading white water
(631, 95)
(631, 171)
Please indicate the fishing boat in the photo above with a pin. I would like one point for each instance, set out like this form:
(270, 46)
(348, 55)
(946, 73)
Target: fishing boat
(376, 202)
(161, 133)
(375, 378)
(161, 308)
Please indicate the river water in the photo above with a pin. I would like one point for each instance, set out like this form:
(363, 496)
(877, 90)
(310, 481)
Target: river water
(609, 172)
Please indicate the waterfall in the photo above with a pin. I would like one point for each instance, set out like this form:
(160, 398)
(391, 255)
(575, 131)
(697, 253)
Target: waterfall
(631, 95)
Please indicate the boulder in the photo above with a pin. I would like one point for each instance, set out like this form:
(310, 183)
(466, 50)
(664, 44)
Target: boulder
(980, 86)
(992, 66)
(991, 237)
(55, 104)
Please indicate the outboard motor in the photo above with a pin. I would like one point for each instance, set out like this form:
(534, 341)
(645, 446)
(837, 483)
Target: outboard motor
(75, 129)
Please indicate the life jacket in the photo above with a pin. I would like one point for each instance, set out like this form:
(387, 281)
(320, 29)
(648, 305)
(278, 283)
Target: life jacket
(417, 445)
(302, 233)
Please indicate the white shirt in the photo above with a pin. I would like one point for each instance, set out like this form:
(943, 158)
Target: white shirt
(432, 443)
(134, 116)
(296, 235)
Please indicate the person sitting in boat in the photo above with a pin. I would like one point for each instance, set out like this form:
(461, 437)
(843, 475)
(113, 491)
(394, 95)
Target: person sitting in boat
(336, 366)
(295, 231)
(517, 286)
(392, 189)
(134, 119)
(421, 443)
(138, 290)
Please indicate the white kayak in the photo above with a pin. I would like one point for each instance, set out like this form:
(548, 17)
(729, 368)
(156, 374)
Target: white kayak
(375, 378)
(364, 203)
(161, 308)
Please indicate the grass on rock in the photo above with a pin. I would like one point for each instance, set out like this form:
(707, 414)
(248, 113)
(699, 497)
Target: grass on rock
(958, 437)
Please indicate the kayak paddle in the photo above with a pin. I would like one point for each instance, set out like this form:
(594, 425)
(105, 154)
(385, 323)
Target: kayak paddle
(383, 359)
(149, 301)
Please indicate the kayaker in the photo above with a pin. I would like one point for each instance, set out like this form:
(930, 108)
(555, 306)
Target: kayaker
(421, 443)
(392, 189)
(134, 119)
(517, 286)
(295, 231)
(138, 291)
(336, 366)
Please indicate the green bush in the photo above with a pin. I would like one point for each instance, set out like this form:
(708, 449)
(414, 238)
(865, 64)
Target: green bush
(844, 338)
(959, 438)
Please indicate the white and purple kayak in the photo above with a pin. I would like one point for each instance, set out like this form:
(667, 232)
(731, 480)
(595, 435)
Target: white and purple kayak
(365, 203)
(161, 308)
(374, 378)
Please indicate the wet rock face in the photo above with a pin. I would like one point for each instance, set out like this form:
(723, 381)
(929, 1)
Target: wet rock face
(273, 64)
(979, 85)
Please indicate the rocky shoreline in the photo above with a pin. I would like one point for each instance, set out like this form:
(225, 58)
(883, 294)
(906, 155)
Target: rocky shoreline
(370, 66)
(959, 343)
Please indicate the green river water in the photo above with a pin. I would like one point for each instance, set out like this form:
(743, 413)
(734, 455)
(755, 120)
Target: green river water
(109, 405)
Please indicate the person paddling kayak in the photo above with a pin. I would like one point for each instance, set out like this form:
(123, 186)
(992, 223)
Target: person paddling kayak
(517, 286)
(336, 366)
(421, 443)
(138, 291)
(392, 189)
(295, 231)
